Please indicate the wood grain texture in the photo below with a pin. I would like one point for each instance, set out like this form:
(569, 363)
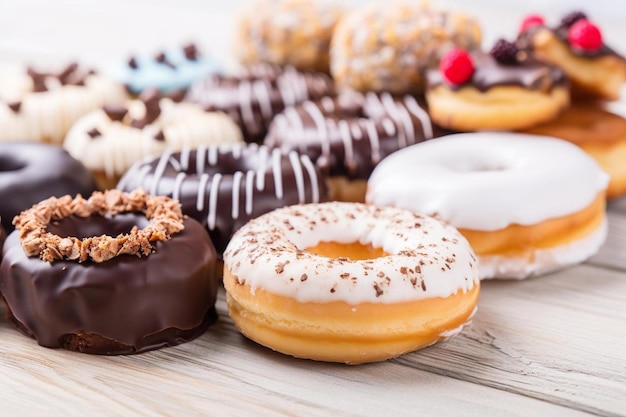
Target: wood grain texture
(222, 373)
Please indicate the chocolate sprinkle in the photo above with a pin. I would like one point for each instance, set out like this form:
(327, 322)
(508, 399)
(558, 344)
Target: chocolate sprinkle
(191, 52)
(67, 72)
(39, 80)
(94, 133)
(115, 112)
(132, 63)
(161, 58)
(14, 106)
(160, 136)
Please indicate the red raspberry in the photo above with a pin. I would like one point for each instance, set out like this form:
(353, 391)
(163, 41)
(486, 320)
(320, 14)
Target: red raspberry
(585, 35)
(530, 21)
(457, 66)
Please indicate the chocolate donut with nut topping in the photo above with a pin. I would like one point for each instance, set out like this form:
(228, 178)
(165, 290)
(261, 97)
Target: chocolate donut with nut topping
(114, 274)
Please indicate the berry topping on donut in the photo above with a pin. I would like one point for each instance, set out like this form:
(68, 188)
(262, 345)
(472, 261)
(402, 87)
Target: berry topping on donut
(585, 35)
(505, 52)
(457, 66)
(531, 21)
(572, 18)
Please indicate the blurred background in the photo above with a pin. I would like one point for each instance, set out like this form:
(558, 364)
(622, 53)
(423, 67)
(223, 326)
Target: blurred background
(100, 32)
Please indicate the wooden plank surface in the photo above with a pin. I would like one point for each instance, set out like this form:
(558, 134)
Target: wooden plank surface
(552, 345)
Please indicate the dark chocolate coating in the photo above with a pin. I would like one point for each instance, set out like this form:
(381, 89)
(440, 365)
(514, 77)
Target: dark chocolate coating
(349, 135)
(127, 304)
(253, 97)
(32, 172)
(489, 73)
(198, 179)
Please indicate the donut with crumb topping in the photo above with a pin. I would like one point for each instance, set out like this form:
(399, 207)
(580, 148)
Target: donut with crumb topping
(348, 282)
(116, 273)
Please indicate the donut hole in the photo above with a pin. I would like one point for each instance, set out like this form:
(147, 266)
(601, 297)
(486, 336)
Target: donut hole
(354, 251)
(9, 163)
(83, 227)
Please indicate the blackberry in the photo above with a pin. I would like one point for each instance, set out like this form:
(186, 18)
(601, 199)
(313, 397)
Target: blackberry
(505, 52)
(573, 17)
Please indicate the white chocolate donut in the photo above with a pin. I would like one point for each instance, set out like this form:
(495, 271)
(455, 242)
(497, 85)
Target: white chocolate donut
(46, 116)
(348, 282)
(110, 147)
(527, 204)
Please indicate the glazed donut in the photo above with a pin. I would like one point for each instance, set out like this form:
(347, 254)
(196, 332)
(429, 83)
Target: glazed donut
(349, 135)
(286, 32)
(170, 71)
(252, 97)
(31, 172)
(593, 68)
(109, 140)
(502, 92)
(382, 48)
(224, 187)
(78, 269)
(41, 107)
(527, 204)
(599, 133)
(348, 282)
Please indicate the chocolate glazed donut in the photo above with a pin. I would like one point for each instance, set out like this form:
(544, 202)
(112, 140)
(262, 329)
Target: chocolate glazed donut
(224, 187)
(124, 305)
(254, 97)
(31, 172)
(347, 136)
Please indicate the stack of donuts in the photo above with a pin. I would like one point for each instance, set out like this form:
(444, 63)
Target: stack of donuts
(340, 185)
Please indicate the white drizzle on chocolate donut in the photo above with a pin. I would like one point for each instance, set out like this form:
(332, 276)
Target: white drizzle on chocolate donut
(223, 182)
(387, 123)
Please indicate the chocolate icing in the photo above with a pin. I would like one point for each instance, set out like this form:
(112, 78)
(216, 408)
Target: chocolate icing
(525, 42)
(489, 73)
(125, 305)
(258, 176)
(32, 172)
(349, 135)
(253, 97)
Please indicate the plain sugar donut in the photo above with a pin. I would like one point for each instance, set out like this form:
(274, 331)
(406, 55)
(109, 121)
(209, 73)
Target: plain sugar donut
(527, 204)
(348, 282)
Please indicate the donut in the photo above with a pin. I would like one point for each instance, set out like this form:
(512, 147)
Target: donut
(253, 96)
(348, 282)
(41, 107)
(527, 204)
(31, 172)
(382, 48)
(110, 139)
(600, 133)
(169, 71)
(349, 135)
(576, 46)
(114, 274)
(501, 90)
(286, 33)
(225, 186)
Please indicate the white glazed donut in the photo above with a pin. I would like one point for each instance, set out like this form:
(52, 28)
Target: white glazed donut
(108, 141)
(349, 282)
(527, 204)
(42, 107)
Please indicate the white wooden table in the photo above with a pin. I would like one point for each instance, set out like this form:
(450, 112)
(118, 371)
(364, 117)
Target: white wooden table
(549, 346)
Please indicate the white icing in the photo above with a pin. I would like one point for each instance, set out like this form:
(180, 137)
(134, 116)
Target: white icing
(427, 258)
(487, 181)
(47, 116)
(120, 145)
(543, 261)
